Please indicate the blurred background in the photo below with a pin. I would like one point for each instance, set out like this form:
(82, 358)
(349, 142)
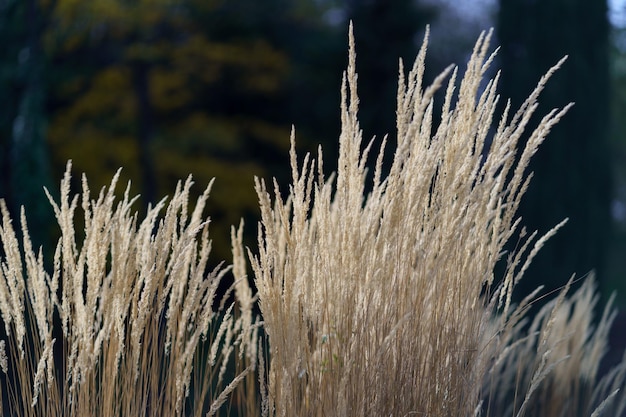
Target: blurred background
(167, 88)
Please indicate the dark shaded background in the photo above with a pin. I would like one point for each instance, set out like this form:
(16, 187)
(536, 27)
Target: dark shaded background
(165, 88)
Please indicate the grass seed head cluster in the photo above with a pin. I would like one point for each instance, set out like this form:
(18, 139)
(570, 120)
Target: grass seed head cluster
(133, 307)
(376, 299)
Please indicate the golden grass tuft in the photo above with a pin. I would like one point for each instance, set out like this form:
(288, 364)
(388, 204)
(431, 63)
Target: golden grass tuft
(132, 302)
(385, 303)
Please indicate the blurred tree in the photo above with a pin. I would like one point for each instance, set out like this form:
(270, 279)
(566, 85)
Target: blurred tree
(617, 263)
(572, 170)
(166, 88)
(24, 164)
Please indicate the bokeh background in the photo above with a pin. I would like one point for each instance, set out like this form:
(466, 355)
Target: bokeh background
(168, 88)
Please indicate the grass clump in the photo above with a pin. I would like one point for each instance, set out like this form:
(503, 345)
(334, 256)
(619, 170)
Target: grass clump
(377, 299)
(119, 326)
(384, 302)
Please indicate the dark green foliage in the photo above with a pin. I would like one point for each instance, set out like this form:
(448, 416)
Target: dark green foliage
(572, 168)
(24, 163)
